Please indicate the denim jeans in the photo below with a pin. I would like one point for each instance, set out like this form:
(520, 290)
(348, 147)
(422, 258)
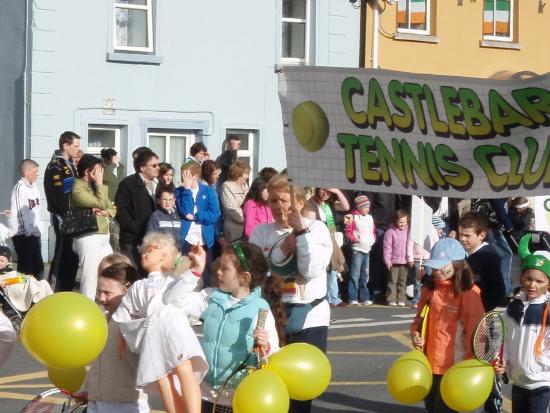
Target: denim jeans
(496, 238)
(417, 283)
(530, 401)
(332, 288)
(359, 276)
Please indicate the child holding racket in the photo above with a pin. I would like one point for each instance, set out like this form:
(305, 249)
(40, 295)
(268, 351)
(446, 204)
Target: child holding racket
(230, 314)
(527, 342)
(170, 355)
(454, 308)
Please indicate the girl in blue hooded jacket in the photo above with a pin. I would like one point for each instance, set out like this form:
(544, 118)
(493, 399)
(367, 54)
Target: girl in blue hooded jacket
(230, 314)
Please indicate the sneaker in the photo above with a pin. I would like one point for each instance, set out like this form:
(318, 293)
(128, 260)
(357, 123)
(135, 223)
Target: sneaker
(353, 302)
(392, 304)
(193, 321)
(366, 303)
(401, 304)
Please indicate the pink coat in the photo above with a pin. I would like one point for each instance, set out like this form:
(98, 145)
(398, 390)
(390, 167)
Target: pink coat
(395, 246)
(254, 214)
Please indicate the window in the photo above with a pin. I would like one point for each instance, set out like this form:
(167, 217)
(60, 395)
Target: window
(413, 16)
(248, 149)
(497, 20)
(295, 31)
(101, 136)
(171, 146)
(133, 26)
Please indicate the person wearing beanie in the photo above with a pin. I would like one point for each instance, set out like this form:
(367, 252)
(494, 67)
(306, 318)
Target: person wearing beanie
(362, 233)
(527, 342)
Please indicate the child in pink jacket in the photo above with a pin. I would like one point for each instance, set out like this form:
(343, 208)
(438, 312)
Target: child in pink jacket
(396, 259)
(255, 208)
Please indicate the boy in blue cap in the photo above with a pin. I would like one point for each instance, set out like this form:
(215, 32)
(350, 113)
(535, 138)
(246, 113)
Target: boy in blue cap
(527, 346)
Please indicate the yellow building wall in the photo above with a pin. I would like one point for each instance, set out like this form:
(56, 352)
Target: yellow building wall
(459, 51)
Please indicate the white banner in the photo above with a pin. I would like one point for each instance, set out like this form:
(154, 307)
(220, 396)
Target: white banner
(407, 133)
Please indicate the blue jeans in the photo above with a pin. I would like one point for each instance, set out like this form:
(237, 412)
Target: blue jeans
(332, 288)
(496, 238)
(359, 276)
(417, 283)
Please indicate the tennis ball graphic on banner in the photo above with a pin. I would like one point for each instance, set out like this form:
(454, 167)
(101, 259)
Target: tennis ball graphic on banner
(310, 126)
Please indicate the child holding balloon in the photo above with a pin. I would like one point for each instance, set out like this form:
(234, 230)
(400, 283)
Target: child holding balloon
(111, 380)
(232, 309)
(455, 307)
(527, 343)
(169, 352)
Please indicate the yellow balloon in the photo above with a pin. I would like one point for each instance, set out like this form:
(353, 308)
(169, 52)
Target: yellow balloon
(304, 369)
(466, 385)
(418, 356)
(64, 331)
(262, 391)
(409, 381)
(67, 379)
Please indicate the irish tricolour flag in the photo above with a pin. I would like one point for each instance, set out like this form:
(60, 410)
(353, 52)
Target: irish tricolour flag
(496, 17)
(411, 12)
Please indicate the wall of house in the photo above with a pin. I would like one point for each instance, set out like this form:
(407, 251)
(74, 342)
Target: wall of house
(458, 50)
(214, 69)
(12, 93)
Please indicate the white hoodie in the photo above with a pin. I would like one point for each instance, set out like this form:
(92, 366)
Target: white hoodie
(25, 209)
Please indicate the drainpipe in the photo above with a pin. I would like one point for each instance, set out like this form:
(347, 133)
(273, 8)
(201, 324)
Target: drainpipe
(374, 57)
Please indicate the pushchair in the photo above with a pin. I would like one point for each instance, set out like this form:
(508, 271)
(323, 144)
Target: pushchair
(540, 240)
(19, 294)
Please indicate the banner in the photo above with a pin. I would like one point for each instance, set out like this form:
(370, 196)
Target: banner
(406, 133)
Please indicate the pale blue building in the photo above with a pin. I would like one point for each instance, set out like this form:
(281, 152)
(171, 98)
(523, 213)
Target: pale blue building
(167, 73)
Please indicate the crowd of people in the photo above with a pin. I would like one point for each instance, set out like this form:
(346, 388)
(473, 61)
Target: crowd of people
(174, 245)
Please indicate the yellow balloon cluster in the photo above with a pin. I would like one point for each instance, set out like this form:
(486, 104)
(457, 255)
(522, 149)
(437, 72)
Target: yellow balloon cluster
(409, 378)
(298, 371)
(64, 331)
(466, 385)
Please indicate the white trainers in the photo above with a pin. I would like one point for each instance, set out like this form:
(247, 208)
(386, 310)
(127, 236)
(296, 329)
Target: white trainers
(392, 304)
(365, 303)
(194, 321)
(353, 302)
(401, 304)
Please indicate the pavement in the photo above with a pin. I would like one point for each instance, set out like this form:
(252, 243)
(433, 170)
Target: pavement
(363, 343)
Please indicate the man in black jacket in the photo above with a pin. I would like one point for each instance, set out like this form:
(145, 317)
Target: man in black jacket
(135, 202)
(58, 183)
(228, 157)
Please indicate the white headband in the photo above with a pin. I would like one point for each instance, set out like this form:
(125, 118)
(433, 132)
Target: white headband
(522, 205)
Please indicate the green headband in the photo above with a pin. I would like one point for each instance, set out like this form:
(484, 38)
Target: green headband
(238, 249)
(532, 261)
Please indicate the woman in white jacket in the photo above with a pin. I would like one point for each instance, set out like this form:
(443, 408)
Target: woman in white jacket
(299, 250)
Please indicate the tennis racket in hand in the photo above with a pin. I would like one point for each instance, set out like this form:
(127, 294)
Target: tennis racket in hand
(488, 339)
(55, 401)
(423, 324)
(224, 395)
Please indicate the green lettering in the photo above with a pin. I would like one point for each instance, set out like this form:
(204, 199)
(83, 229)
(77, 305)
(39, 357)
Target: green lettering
(369, 160)
(419, 166)
(484, 155)
(414, 90)
(389, 161)
(449, 96)
(439, 127)
(461, 178)
(377, 105)
(504, 116)
(352, 86)
(405, 121)
(434, 170)
(535, 102)
(477, 124)
(514, 179)
(349, 143)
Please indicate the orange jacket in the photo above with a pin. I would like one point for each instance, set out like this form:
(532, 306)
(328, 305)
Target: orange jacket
(451, 323)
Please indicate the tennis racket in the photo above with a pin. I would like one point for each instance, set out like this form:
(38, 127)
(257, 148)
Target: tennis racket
(224, 396)
(488, 340)
(423, 322)
(55, 401)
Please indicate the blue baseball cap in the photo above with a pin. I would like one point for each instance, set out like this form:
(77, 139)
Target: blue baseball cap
(444, 251)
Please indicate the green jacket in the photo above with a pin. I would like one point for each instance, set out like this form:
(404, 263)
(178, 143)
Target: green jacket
(112, 180)
(83, 196)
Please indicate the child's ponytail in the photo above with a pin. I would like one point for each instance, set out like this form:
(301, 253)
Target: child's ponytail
(272, 292)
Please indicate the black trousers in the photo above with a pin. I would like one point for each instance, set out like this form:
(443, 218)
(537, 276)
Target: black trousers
(29, 255)
(530, 401)
(434, 402)
(316, 336)
(65, 261)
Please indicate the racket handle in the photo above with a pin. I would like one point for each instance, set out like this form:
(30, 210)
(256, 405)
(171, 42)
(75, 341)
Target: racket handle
(262, 315)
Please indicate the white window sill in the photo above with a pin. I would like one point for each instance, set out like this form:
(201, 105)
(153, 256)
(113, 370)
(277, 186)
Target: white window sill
(499, 44)
(412, 37)
(145, 59)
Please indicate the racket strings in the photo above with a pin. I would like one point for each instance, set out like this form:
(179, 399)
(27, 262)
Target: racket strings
(488, 338)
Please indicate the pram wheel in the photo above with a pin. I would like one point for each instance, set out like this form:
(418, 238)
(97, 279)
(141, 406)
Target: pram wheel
(16, 321)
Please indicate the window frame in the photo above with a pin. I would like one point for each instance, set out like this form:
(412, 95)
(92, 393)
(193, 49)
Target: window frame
(426, 31)
(190, 139)
(150, 32)
(510, 23)
(307, 37)
(252, 151)
(96, 150)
